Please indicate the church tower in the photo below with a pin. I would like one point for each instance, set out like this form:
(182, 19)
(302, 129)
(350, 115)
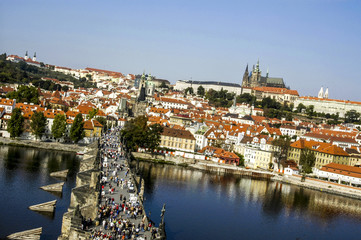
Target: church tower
(34, 58)
(326, 94)
(141, 96)
(256, 76)
(26, 56)
(245, 79)
(320, 93)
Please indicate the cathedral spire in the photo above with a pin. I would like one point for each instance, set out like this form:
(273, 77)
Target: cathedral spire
(267, 72)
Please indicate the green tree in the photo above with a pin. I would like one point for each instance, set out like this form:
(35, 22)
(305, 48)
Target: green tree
(15, 124)
(201, 91)
(152, 139)
(136, 134)
(25, 94)
(280, 149)
(241, 159)
(352, 116)
(38, 124)
(246, 98)
(93, 113)
(59, 126)
(188, 90)
(163, 85)
(307, 160)
(77, 128)
(310, 110)
(300, 107)
(103, 122)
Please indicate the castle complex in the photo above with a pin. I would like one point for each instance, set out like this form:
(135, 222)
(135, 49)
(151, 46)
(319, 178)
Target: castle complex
(254, 79)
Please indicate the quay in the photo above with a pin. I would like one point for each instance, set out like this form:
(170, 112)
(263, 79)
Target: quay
(107, 202)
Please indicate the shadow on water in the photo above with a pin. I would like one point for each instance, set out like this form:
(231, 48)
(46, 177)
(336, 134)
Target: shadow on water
(33, 163)
(12, 159)
(48, 215)
(273, 205)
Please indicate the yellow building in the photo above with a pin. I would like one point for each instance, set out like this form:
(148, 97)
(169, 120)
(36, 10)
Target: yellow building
(92, 128)
(177, 139)
(325, 153)
(263, 158)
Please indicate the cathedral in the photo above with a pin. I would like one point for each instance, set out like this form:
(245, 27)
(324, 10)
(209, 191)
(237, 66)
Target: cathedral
(254, 79)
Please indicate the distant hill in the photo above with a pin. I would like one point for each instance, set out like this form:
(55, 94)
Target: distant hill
(22, 73)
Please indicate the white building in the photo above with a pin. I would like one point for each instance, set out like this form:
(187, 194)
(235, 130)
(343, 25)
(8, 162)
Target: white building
(331, 106)
(340, 173)
(230, 87)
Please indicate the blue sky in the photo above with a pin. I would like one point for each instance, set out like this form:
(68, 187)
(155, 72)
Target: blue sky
(310, 43)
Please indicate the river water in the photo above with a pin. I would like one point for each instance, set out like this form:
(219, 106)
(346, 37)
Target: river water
(202, 205)
(199, 205)
(22, 172)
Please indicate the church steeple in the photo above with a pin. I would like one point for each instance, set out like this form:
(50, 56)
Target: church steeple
(34, 58)
(326, 94)
(26, 56)
(320, 93)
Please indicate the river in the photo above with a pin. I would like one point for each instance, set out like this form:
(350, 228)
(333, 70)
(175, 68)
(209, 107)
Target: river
(202, 205)
(22, 172)
(199, 205)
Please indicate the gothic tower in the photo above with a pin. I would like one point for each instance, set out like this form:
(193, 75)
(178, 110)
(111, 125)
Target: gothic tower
(245, 78)
(256, 76)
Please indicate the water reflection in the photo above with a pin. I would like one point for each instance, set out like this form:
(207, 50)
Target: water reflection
(22, 172)
(275, 198)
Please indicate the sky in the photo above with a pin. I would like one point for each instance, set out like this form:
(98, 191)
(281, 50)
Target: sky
(309, 43)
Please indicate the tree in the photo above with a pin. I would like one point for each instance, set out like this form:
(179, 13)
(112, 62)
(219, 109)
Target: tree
(246, 98)
(103, 122)
(59, 126)
(280, 149)
(15, 124)
(77, 129)
(201, 91)
(241, 159)
(300, 107)
(189, 90)
(307, 160)
(93, 113)
(163, 85)
(352, 116)
(310, 110)
(152, 140)
(38, 124)
(25, 94)
(136, 134)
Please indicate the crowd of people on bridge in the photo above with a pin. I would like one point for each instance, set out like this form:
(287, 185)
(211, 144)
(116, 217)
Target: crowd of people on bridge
(120, 214)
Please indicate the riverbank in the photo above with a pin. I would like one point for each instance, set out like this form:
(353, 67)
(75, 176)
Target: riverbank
(44, 145)
(310, 183)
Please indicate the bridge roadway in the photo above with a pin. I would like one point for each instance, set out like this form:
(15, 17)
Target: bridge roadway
(115, 166)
